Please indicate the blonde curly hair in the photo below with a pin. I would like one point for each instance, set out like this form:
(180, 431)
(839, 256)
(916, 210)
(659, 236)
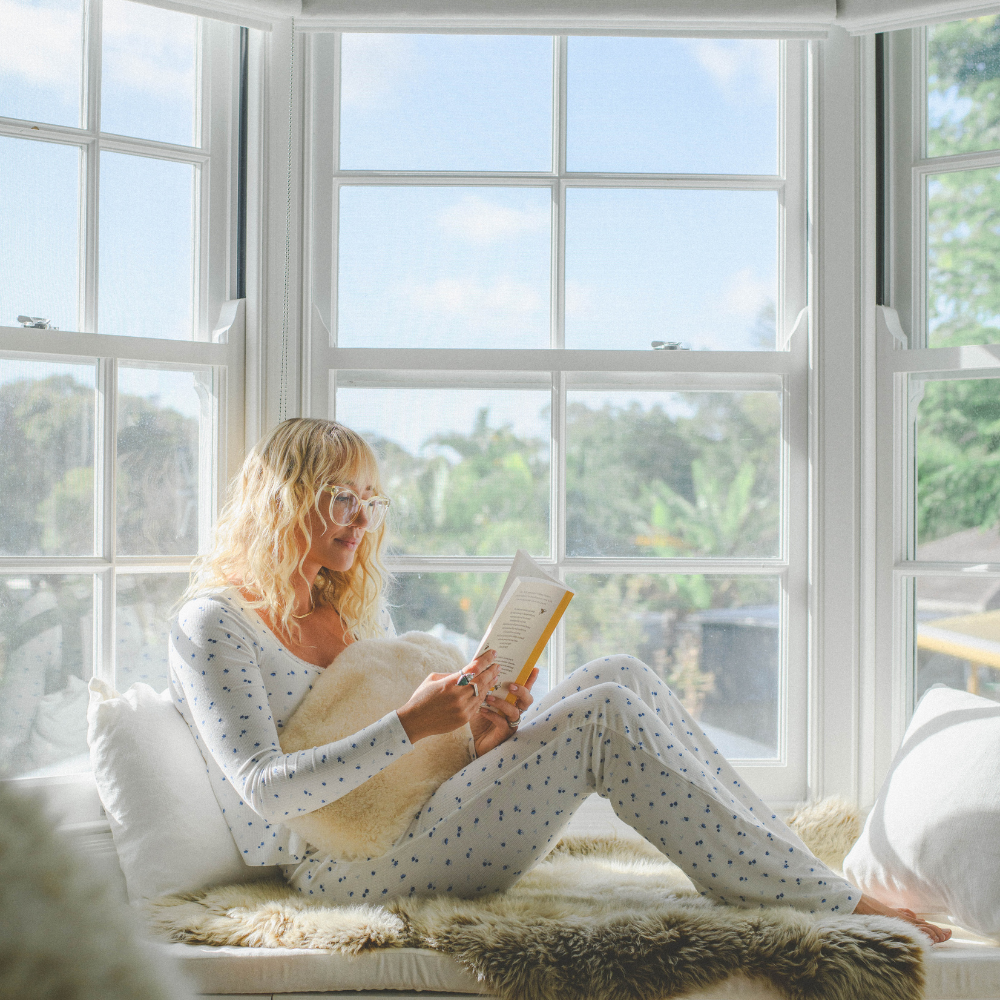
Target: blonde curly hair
(266, 510)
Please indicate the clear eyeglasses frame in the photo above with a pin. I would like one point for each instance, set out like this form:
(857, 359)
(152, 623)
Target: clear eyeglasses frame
(346, 506)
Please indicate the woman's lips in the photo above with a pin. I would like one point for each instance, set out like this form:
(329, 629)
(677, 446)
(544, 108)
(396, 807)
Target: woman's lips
(351, 543)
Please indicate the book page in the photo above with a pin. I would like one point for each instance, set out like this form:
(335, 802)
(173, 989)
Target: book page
(522, 618)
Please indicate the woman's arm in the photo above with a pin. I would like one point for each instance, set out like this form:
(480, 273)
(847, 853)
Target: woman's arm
(214, 660)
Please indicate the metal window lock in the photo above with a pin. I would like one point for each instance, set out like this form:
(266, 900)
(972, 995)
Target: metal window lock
(36, 323)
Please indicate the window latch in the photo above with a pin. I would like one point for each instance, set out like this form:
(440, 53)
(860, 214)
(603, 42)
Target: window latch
(36, 323)
(667, 345)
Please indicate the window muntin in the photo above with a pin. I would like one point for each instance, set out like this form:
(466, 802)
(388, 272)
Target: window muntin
(120, 429)
(938, 411)
(738, 355)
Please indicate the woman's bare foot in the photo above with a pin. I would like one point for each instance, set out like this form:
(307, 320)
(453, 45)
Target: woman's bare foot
(870, 905)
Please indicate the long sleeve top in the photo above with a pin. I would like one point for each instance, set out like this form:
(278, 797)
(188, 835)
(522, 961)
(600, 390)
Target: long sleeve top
(236, 685)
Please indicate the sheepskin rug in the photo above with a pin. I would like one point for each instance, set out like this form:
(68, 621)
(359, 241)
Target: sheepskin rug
(600, 918)
(373, 677)
(63, 935)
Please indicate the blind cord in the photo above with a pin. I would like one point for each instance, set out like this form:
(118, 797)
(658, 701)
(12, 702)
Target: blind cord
(283, 389)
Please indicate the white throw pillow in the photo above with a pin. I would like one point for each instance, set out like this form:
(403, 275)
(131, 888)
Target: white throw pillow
(167, 825)
(932, 840)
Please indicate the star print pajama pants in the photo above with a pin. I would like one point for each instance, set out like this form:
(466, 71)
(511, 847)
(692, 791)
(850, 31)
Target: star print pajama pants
(611, 727)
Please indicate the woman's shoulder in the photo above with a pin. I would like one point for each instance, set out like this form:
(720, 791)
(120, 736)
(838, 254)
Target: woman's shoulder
(212, 610)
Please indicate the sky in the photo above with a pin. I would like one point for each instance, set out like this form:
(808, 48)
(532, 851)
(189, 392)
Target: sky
(434, 266)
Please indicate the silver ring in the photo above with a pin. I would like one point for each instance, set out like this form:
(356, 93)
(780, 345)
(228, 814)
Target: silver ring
(515, 724)
(475, 688)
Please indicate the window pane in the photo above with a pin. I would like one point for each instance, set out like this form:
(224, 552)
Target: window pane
(714, 640)
(149, 73)
(455, 607)
(672, 105)
(446, 102)
(963, 258)
(46, 649)
(47, 414)
(467, 469)
(147, 260)
(144, 608)
(958, 631)
(40, 223)
(695, 267)
(673, 473)
(958, 469)
(164, 479)
(41, 60)
(963, 74)
(444, 267)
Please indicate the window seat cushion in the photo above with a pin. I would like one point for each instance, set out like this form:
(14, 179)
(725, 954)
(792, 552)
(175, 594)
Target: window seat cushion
(965, 968)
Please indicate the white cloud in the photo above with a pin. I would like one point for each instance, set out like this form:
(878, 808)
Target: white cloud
(149, 49)
(503, 299)
(478, 220)
(734, 64)
(745, 294)
(42, 45)
(373, 65)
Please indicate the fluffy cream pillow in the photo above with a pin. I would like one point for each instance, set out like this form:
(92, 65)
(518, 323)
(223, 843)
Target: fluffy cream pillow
(932, 840)
(370, 678)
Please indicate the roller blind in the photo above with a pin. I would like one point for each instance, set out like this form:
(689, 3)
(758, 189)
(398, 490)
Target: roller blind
(863, 16)
(790, 18)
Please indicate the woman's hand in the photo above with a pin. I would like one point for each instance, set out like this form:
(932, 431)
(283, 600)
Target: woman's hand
(490, 727)
(442, 705)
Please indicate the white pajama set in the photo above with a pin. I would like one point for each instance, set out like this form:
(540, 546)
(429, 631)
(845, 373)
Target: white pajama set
(611, 727)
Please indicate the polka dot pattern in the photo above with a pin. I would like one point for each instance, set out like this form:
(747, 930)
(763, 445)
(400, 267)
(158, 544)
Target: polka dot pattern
(235, 684)
(614, 728)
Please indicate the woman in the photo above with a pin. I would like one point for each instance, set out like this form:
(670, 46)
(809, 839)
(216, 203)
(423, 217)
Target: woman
(295, 576)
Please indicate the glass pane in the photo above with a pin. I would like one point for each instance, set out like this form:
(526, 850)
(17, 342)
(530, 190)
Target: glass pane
(147, 261)
(149, 73)
(695, 267)
(41, 60)
(145, 605)
(467, 469)
(958, 470)
(46, 655)
(455, 607)
(47, 415)
(164, 480)
(963, 71)
(444, 267)
(673, 473)
(40, 223)
(672, 105)
(714, 640)
(963, 258)
(446, 102)
(958, 631)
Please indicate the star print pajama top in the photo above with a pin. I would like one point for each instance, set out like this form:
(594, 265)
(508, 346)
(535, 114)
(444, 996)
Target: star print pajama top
(610, 727)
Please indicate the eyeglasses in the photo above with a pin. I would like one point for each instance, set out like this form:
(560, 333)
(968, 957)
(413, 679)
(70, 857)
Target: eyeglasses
(346, 506)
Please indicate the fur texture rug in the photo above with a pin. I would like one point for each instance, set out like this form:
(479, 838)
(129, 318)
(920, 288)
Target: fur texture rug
(373, 677)
(598, 919)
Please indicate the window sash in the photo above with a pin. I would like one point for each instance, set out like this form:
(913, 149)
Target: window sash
(560, 370)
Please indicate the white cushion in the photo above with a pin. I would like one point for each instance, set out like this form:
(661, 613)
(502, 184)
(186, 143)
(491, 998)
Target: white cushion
(932, 840)
(167, 825)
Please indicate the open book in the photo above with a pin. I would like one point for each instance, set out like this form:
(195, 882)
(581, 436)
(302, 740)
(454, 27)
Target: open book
(530, 606)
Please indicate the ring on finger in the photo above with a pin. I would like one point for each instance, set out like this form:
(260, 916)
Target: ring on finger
(475, 689)
(516, 722)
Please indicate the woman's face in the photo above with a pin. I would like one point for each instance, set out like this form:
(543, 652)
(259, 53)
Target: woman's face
(334, 547)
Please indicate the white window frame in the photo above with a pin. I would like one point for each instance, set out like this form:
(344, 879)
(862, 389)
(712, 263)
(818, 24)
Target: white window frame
(217, 347)
(903, 363)
(785, 779)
